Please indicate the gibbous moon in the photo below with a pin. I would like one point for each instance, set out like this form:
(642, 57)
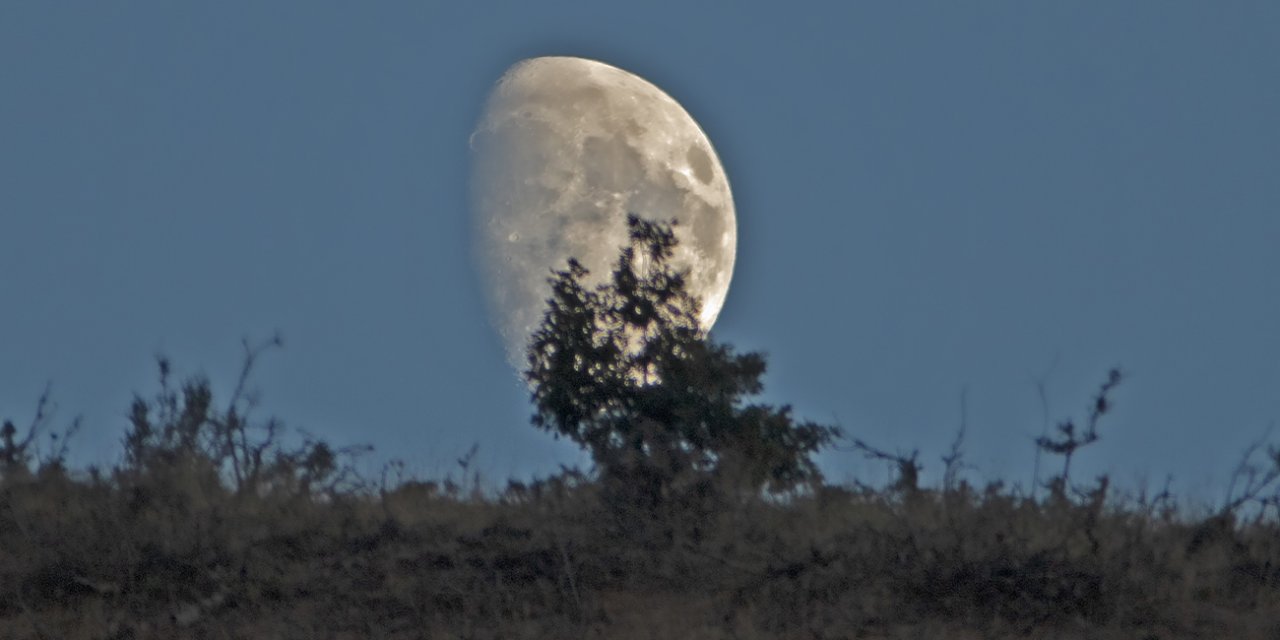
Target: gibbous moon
(565, 149)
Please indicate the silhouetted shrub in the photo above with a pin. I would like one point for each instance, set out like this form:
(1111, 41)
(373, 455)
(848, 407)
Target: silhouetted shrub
(626, 371)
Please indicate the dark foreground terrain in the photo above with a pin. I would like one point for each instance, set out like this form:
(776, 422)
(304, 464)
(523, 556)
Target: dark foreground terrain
(212, 529)
(703, 518)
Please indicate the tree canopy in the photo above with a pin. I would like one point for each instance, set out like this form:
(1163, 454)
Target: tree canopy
(625, 370)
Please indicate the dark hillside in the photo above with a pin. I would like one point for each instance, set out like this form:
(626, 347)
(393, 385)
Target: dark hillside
(702, 517)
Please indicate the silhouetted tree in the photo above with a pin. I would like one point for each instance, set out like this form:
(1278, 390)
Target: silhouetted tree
(625, 370)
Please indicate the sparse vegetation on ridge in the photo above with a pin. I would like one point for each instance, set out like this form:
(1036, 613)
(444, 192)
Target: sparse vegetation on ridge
(703, 518)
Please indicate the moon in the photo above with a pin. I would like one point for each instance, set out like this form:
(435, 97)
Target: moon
(564, 149)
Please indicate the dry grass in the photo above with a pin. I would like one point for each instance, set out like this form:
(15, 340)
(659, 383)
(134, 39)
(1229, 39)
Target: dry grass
(117, 558)
(212, 528)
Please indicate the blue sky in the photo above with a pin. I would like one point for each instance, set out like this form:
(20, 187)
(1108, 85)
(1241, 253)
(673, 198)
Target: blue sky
(931, 198)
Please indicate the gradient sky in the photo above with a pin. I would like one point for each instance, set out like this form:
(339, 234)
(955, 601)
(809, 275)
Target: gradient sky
(931, 197)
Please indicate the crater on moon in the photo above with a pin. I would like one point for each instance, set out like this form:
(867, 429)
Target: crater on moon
(700, 163)
(564, 150)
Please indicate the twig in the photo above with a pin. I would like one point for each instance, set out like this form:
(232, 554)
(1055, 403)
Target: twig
(1040, 382)
(1253, 483)
(953, 460)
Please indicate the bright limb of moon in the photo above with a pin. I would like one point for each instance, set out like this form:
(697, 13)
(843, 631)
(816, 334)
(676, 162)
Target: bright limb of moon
(565, 149)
